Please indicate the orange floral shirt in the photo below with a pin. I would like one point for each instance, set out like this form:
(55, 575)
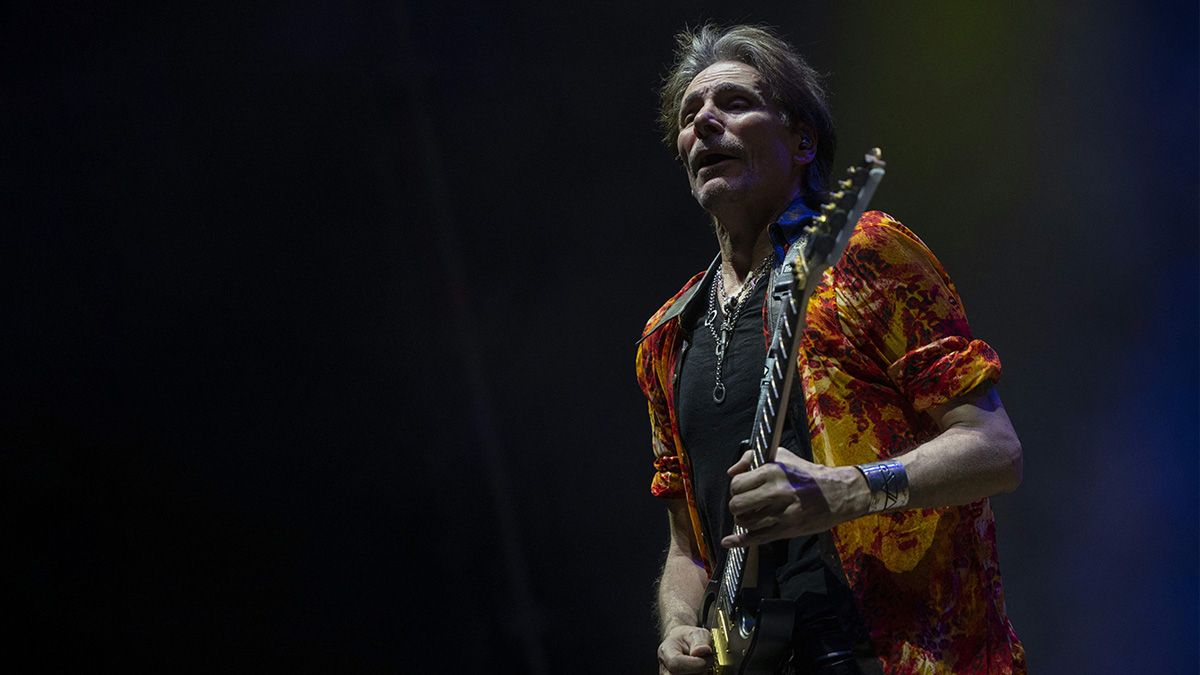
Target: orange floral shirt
(886, 338)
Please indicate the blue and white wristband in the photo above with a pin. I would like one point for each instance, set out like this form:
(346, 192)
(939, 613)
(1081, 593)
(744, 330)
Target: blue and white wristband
(888, 482)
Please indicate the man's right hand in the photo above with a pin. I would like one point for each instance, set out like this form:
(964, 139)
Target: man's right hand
(686, 649)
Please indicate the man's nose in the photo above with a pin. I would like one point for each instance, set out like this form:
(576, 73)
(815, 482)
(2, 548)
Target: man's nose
(707, 122)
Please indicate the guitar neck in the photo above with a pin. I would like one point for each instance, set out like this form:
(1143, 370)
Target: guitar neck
(795, 284)
(771, 414)
(780, 369)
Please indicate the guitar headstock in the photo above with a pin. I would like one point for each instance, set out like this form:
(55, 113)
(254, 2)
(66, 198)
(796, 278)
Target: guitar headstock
(829, 231)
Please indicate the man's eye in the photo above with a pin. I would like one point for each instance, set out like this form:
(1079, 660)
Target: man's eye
(687, 119)
(738, 103)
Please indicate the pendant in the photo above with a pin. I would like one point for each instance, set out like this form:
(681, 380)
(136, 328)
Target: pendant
(719, 393)
(711, 319)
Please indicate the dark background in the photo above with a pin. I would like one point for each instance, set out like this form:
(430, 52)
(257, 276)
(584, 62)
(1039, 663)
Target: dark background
(320, 318)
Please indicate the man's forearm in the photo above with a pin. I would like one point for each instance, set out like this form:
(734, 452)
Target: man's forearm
(976, 455)
(681, 586)
(961, 466)
(680, 591)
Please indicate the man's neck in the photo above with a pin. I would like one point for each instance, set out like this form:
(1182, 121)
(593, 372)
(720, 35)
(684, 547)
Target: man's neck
(742, 251)
(744, 239)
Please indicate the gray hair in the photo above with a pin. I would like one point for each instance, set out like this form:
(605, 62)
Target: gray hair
(792, 86)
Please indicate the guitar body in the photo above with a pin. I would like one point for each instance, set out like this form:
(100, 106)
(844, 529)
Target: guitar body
(754, 640)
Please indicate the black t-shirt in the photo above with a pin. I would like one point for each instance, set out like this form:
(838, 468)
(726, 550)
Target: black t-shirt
(712, 434)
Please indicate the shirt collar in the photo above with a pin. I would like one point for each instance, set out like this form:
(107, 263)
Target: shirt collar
(788, 227)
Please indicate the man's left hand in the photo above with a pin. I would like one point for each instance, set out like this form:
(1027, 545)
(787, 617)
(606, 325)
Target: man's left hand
(791, 497)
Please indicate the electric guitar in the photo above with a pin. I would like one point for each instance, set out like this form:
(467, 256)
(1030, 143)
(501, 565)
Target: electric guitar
(752, 636)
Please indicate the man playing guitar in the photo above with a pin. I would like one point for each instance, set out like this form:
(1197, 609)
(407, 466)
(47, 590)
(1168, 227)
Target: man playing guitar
(872, 523)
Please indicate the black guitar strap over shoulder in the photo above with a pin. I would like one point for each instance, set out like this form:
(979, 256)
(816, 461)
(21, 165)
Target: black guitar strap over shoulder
(775, 300)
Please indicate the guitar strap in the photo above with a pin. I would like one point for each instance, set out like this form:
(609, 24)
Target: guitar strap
(775, 300)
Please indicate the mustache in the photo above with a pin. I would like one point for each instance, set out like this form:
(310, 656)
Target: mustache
(699, 152)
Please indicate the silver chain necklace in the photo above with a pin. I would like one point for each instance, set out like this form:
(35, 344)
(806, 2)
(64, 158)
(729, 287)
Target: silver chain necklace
(732, 310)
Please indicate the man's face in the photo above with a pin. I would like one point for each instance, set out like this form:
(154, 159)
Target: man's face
(734, 143)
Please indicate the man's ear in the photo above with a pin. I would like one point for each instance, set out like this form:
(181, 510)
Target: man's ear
(804, 149)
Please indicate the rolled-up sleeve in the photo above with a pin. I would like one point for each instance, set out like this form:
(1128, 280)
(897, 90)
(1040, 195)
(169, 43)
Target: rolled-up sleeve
(943, 370)
(668, 478)
(667, 481)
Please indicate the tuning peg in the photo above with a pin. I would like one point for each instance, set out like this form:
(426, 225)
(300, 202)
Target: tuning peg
(852, 170)
(877, 153)
(820, 219)
(837, 196)
(829, 208)
(845, 183)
